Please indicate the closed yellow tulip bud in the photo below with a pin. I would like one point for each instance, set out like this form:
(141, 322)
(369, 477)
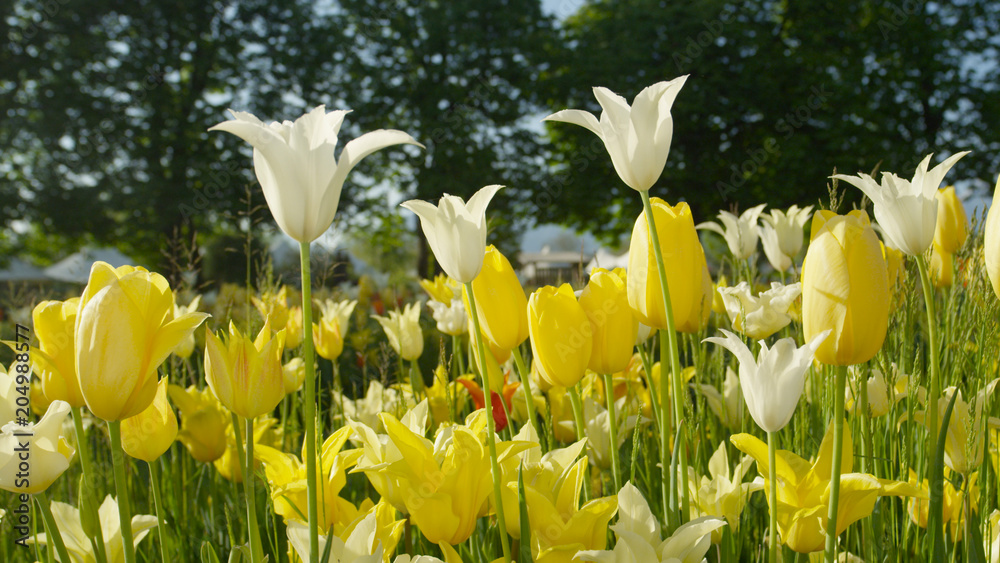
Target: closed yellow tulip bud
(294, 333)
(845, 288)
(895, 262)
(203, 422)
(952, 227)
(612, 324)
(329, 333)
(942, 265)
(687, 272)
(500, 301)
(149, 434)
(125, 329)
(54, 323)
(561, 339)
(246, 375)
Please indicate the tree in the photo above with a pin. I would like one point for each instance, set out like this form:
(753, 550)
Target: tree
(107, 103)
(779, 94)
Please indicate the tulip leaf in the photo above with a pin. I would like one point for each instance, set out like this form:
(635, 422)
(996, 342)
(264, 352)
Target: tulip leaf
(934, 515)
(329, 547)
(208, 553)
(525, 552)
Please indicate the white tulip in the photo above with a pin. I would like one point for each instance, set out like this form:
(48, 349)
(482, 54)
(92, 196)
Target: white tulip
(906, 210)
(638, 136)
(741, 233)
(296, 168)
(761, 316)
(451, 319)
(773, 383)
(403, 331)
(788, 227)
(456, 231)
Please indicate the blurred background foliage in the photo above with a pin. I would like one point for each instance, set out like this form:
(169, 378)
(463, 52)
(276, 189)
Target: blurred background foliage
(105, 106)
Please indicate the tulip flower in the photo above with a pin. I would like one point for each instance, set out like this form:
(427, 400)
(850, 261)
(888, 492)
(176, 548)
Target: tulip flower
(637, 137)
(963, 448)
(941, 267)
(456, 231)
(954, 508)
(286, 476)
(54, 324)
(149, 434)
(377, 399)
(638, 535)
(125, 329)
(991, 241)
(334, 322)
(687, 271)
(368, 540)
(780, 261)
(845, 288)
(727, 405)
(403, 331)
(451, 318)
(560, 526)
(560, 335)
(442, 288)
(761, 316)
(992, 537)
(787, 226)
(881, 396)
(264, 434)
(613, 327)
(952, 227)
(804, 490)
(773, 383)
(273, 305)
(906, 210)
(68, 521)
(48, 450)
(186, 347)
(503, 306)
(722, 494)
(294, 374)
(896, 269)
(246, 375)
(203, 422)
(296, 168)
(741, 233)
(294, 331)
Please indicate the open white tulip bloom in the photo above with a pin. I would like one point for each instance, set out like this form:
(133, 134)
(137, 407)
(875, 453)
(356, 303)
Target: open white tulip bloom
(906, 210)
(361, 546)
(598, 428)
(741, 233)
(78, 545)
(403, 330)
(296, 168)
(638, 136)
(456, 231)
(638, 535)
(773, 383)
(788, 226)
(761, 316)
(780, 261)
(451, 319)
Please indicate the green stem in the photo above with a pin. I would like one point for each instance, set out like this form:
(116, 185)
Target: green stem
(309, 389)
(256, 548)
(581, 431)
(772, 496)
(458, 353)
(609, 393)
(55, 535)
(670, 482)
(838, 442)
(121, 486)
(935, 511)
(490, 425)
(88, 475)
(416, 380)
(529, 396)
(161, 528)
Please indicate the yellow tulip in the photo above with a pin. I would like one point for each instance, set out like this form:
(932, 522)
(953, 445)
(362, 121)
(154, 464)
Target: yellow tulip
(294, 374)
(953, 510)
(286, 476)
(952, 227)
(896, 268)
(186, 347)
(722, 493)
(942, 266)
(442, 288)
(124, 330)
(149, 434)
(963, 448)
(334, 321)
(32, 455)
(293, 328)
(845, 288)
(500, 301)
(687, 272)
(561, 339)
(273, 306)
(403, 331)
(54, 323)
(203, 422)
(612, 325)
(804, 490)
(718, 304)
(246, 375)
